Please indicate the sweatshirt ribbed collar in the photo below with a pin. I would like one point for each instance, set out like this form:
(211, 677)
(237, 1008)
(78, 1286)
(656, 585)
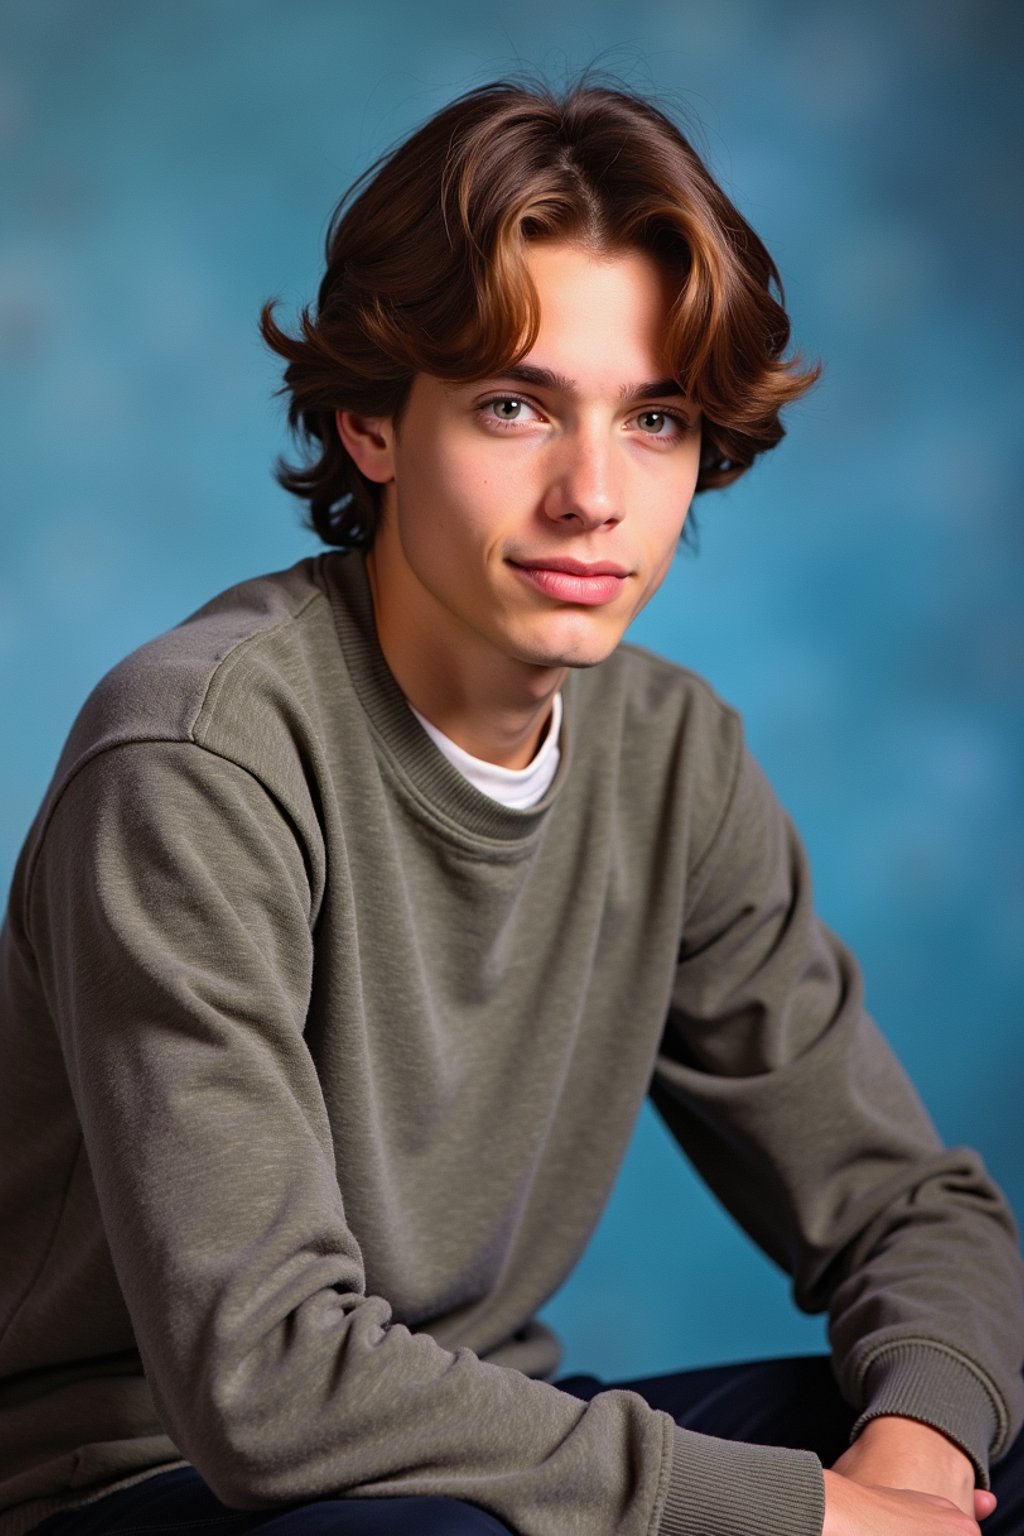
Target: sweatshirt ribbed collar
(424, 770)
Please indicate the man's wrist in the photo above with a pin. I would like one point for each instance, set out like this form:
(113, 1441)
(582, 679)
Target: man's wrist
(934, 1386)
(897, 1452)
(910, 1433)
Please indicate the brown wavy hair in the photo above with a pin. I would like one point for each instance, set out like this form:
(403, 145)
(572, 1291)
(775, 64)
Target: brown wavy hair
(425, 273)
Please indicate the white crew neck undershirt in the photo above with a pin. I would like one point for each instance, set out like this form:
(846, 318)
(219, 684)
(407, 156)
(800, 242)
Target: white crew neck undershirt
(517, 788)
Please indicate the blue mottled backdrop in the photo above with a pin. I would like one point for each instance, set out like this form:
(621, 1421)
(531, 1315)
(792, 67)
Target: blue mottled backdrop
(169, 164)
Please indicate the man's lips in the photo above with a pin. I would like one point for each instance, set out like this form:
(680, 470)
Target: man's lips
(574, 581)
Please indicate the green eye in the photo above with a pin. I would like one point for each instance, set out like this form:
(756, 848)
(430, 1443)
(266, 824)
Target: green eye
(507, 410)
(652, 421)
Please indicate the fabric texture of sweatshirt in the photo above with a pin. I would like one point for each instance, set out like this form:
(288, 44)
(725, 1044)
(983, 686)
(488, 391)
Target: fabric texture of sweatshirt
(317, 1066)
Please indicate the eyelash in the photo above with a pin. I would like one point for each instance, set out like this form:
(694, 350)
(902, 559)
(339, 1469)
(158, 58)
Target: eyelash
(485, 405)
(681, 422)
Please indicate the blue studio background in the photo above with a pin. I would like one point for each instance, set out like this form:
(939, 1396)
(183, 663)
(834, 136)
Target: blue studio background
(169, 164)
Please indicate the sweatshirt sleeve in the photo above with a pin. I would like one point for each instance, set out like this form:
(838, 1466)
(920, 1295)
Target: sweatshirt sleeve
(785, 1096)
(173, 922)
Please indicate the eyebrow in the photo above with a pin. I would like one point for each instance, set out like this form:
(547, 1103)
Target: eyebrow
(547, 378)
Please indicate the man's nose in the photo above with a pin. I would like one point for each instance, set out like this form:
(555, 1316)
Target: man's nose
(583, 491)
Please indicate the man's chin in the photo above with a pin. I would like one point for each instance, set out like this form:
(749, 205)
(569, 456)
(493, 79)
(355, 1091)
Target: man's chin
(577, 657)
(576, 641)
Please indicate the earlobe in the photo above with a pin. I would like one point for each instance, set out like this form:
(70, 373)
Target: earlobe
(369, 441)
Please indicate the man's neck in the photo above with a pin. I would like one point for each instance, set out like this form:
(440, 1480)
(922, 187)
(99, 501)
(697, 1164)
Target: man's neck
(509, 737)
(494, 707)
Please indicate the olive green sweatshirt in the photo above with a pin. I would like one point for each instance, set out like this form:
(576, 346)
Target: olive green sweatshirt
(317, 1066)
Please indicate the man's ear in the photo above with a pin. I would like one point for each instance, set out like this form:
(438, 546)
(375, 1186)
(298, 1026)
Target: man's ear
(370, 442)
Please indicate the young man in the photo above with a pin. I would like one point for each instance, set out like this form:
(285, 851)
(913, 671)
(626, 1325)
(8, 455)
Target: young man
(366, 906)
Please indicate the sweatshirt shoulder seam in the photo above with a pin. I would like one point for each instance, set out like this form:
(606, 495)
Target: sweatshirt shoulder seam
(186, 737)
(231, 659)
(94, 755)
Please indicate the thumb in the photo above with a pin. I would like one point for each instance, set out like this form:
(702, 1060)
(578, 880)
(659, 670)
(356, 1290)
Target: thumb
(984, 1503)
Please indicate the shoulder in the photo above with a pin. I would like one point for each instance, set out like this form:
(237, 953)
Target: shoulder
(238, 680)
(652, 707)
(178, 686)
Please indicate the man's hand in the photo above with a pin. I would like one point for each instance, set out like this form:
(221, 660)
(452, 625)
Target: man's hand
(901, 1478)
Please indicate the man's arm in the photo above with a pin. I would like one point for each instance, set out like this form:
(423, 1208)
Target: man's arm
(791, 1105)
(172, 920)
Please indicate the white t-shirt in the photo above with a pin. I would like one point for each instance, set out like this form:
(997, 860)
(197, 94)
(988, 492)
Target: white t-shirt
(518, 788)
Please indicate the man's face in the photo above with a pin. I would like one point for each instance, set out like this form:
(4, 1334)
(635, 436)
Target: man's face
(530, 516)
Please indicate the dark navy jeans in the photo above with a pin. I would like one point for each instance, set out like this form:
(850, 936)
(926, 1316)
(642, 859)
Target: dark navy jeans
(772, 1402)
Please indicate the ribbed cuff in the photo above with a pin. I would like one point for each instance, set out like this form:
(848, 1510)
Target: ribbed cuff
(930, 1383)
(718, 1487)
